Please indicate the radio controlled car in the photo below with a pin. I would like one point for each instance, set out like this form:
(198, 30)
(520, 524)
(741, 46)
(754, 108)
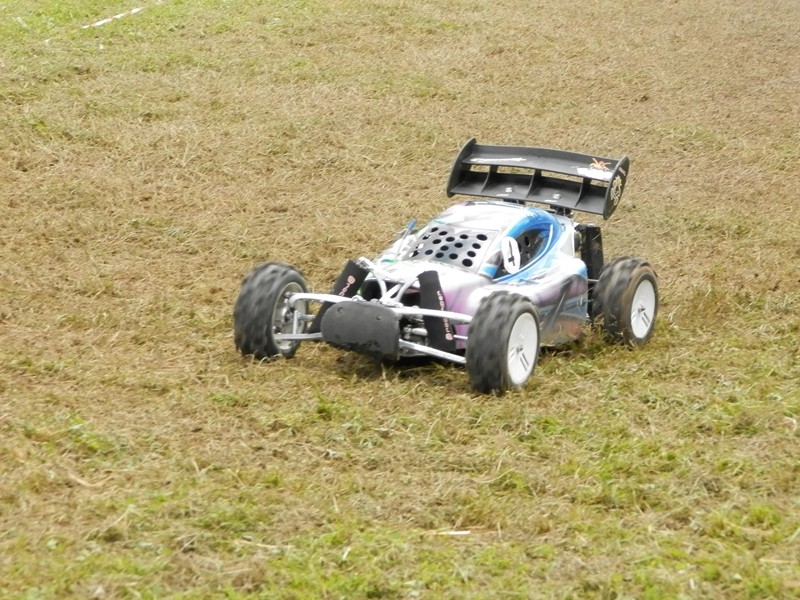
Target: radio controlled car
(484, 284)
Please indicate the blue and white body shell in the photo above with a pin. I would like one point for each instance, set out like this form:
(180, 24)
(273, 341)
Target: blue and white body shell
(473, 246)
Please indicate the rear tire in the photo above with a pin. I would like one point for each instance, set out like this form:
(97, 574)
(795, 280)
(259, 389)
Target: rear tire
(625, 300)
(262, 310)
(503, 343)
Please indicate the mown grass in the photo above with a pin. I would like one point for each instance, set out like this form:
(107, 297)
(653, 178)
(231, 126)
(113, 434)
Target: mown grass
(147, 164)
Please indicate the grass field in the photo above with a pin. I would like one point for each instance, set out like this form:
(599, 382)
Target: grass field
(146, 164)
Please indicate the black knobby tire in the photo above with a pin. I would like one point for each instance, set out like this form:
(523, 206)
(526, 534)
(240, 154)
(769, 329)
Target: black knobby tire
(262, 310)
(503, 343)
(625, 300)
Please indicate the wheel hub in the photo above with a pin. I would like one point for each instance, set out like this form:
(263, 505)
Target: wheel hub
(643, 309)
(283, 315)
(522, 349)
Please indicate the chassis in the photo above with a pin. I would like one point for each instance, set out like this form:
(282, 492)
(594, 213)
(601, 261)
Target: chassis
(484, 284)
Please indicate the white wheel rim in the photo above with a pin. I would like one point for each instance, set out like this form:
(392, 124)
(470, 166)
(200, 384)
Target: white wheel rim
(523, 346)
(643, 310)
(283, 316)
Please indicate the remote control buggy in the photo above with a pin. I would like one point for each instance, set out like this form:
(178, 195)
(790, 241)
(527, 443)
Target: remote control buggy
(484, 284)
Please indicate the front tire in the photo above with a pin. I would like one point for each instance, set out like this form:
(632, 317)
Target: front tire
(503, 343)
(262, 310)
(625, 300)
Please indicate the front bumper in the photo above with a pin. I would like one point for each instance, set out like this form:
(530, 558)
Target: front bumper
(364, 327)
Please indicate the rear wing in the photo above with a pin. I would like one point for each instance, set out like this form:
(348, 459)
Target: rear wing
(564, 180)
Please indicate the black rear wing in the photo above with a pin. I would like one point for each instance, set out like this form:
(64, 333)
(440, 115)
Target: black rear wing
(564, 180)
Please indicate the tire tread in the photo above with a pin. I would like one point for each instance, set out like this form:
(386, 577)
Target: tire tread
(487, 343)
(613, 296)
(252, 314)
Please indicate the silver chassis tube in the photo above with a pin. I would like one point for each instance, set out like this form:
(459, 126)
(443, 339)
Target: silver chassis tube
(298, 337)
(422, 349)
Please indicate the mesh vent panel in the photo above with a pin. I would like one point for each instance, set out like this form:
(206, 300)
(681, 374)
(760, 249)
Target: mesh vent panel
(463, 248)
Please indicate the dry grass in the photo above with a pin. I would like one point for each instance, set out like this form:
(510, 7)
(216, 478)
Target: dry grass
(147, 164)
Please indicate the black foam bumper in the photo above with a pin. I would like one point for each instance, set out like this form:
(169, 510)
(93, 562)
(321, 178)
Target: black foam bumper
(363, 327)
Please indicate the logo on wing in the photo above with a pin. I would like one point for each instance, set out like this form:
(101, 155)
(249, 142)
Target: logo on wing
(616, 191)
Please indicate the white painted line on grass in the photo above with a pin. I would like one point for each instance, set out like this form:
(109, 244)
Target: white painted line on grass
(133, 11)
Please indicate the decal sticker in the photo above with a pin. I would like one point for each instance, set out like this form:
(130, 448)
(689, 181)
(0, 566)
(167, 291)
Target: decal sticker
(350, 281)
(511, 258)
(598, 169)
(448, 329)
(616, 191)
(498, 161)
(508, 192)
